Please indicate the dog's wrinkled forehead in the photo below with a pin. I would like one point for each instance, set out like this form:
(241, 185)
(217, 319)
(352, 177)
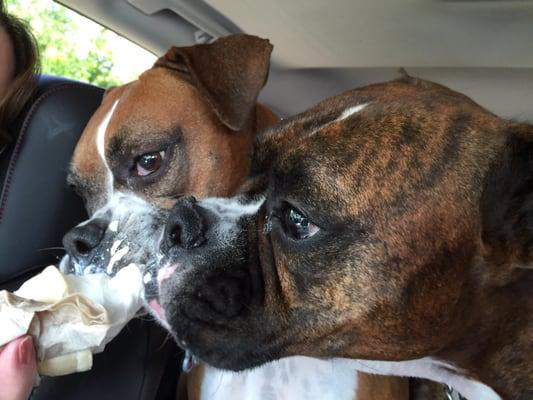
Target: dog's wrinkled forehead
(372, 144)
(123, 113)
(374, 111)
(301, 155)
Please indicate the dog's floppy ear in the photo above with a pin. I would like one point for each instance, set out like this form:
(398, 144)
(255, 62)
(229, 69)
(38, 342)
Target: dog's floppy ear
(507, 201)
(229, 72)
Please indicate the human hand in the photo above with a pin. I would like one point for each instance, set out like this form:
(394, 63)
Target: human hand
(17, 369)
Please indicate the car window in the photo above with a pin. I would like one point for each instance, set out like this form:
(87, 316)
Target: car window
(75, 47)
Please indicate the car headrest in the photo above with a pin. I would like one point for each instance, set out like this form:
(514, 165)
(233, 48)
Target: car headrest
(36, 206)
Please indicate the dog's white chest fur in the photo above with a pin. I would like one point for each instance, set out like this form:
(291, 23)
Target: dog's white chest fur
(428, 368)
(309, 378)
(286, 379)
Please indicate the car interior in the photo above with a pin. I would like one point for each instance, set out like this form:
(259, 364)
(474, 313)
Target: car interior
(480, 48)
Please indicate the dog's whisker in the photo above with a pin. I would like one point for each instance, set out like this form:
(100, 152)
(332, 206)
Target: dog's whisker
(52, 248)
(165, 341)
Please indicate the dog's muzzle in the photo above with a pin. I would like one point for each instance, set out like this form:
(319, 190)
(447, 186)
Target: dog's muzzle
(127, 230)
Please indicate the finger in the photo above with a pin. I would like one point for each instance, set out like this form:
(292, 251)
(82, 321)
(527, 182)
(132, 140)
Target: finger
(17, 369)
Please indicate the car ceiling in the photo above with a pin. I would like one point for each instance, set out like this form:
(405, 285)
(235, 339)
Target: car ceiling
(479, 47)
(384, 33)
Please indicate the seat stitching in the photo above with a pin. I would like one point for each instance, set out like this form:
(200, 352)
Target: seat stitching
(18, 146)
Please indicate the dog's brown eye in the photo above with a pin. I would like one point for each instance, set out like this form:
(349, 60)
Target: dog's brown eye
(148, 163)
(298, 225)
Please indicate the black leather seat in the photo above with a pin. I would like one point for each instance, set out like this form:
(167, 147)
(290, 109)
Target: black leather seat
(36, 209)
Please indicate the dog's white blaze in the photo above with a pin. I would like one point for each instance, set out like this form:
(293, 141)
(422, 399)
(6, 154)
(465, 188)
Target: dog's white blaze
(345, 114)
(116, 257)
(428, 368)
(286, 379)
(100, 146)
(350, 111)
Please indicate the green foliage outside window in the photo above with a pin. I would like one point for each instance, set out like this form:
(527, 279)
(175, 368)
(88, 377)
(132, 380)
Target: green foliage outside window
(67, 47)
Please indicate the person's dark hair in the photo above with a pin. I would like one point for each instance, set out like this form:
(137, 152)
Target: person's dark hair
(26, 68)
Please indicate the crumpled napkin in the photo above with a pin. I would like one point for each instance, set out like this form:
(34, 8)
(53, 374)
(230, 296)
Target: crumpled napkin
(70, 315)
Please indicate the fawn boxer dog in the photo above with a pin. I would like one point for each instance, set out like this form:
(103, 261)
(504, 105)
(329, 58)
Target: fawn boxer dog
(186, 127)
(389, 228)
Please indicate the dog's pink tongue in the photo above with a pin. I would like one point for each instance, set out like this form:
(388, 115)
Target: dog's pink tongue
(165, 273)
(154, 305)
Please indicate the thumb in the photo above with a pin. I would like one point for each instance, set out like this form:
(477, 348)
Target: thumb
(17, 369)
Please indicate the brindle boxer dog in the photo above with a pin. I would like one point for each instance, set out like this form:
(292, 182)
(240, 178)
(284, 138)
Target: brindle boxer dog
(392, 222)
(185, 127)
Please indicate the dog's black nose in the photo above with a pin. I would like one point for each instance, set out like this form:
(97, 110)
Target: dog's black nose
(184, 227)
(80, 241)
